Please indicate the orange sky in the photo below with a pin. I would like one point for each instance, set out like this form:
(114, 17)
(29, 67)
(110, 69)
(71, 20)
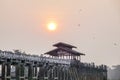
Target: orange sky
(22, 26)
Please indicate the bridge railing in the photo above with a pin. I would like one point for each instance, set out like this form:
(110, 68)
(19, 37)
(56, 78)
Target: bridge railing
(12, 55)
(24, 56)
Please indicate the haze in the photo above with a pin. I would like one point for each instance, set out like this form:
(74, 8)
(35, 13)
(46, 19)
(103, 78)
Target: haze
(91, 25)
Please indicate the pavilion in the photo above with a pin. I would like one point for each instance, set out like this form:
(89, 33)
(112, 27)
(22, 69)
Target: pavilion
(64, 51)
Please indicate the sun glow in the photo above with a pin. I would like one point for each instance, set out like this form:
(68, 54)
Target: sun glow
(52, 26)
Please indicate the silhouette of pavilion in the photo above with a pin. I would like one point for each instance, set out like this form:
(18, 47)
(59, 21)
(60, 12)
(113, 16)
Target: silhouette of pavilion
(65, 51)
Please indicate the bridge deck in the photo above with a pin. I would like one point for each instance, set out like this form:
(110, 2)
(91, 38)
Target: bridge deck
(14, 66)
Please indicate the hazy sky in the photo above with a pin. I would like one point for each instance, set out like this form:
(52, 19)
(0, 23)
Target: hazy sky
(23, 26)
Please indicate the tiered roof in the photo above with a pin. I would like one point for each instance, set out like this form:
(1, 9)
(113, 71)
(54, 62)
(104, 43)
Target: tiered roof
(65, 48)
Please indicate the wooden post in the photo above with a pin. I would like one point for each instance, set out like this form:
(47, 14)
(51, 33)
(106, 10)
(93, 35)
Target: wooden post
(35, 72)
(3, 71)
(17, 71)
(8, 71)
(22, 73)
(30, 72)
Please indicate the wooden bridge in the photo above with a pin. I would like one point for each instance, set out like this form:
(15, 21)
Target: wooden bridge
(63, 63)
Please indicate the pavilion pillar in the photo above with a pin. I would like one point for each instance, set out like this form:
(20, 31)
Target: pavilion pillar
(69, 57)
(80, 58)
(76, 57)
(60, 57)
(72, 56)
(63, 56)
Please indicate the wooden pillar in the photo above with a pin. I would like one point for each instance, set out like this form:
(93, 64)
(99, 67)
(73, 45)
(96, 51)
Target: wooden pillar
(80, 58)
(35, 72)
(77, 57)
(69, 56)
(30, 72)
(17, 71)
(39, 73)
(3, 71)
(64, 76)
(46, 73)
(0, 72)
(8, 71)
(22, 73)
(56, 74)
(67, 76)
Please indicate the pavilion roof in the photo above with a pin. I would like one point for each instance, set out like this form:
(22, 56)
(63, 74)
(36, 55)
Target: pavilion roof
(64, 45)
(72, 52)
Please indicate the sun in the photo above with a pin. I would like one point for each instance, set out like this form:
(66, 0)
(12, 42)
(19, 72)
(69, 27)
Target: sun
(52, 26)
